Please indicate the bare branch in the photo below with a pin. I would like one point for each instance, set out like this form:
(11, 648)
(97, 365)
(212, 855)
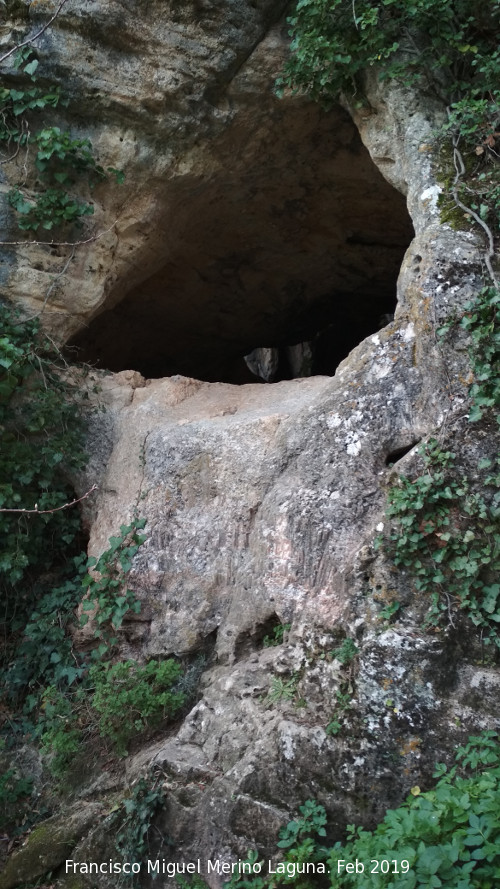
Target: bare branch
(56, 279)
(354, 14)
(35, 36)
(491, 252)
(459, 172)
(59, 243)
(37, 511)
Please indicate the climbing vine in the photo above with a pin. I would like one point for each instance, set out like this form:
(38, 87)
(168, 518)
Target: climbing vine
(446, 47)
(44, 575)
(54, 163)
(481, 319)
(443, 527)
(41, 430)
(447, 534)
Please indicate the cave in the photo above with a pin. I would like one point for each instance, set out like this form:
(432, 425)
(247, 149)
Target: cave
(286, 233)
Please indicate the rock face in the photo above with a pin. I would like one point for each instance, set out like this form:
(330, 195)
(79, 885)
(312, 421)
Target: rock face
(262, 502)
(244, 220)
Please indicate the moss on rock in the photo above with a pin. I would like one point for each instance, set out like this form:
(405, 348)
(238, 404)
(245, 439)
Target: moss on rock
(48, 845)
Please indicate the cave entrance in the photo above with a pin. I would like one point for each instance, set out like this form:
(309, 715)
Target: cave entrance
(285, 233)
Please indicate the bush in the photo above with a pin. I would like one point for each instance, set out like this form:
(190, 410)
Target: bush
(14, 796)
(447, 837)
(58, 730)
(130, 698)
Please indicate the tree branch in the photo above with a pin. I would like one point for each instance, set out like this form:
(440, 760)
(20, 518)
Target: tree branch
(35, 36)
(37, 511)
(59, 243)
(459, 172)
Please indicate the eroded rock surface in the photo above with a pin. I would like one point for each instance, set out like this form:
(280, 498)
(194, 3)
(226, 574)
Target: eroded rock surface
(244, 220)
(262, 502)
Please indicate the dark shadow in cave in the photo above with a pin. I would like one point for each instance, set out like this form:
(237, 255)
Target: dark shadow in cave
(295, 238)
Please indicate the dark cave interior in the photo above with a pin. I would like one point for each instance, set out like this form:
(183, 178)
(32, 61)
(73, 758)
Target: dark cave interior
(295, 240)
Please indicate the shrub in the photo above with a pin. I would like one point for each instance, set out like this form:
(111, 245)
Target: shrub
(447, 837)
(58, 730)
(130, 698)
(14, 794)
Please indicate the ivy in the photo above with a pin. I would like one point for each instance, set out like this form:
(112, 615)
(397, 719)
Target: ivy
(481, 320)
(445, 838)
(445, 528)
(61, 162)
(44, 654)
(446, 533)
(41, 429)
(447, 47)
(134, 818)
(105, 581)
(15, 792)
(58, 730)
(442, 44)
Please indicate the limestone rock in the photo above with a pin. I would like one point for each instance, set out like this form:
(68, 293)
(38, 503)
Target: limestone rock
(49, 844)
(262, 503)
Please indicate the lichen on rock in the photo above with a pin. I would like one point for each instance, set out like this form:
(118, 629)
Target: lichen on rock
(241, 218)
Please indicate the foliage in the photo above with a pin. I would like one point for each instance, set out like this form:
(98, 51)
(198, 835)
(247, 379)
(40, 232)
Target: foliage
(390, 610)
(60, 160)
(446, 46)
(44, 654)
(312, 821)
(440, 42)
(481, 320)
(447, 837)
(57, 728)
(135, 817)
(14, 791)
(282, 690)
(447, 535)
(52, 208)
(41, 583)
(119, 701)
(276, 637)
(40, 431)
(105, 582)
(130, 698)
(346, 652)
(301, 841)
(343, 703)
